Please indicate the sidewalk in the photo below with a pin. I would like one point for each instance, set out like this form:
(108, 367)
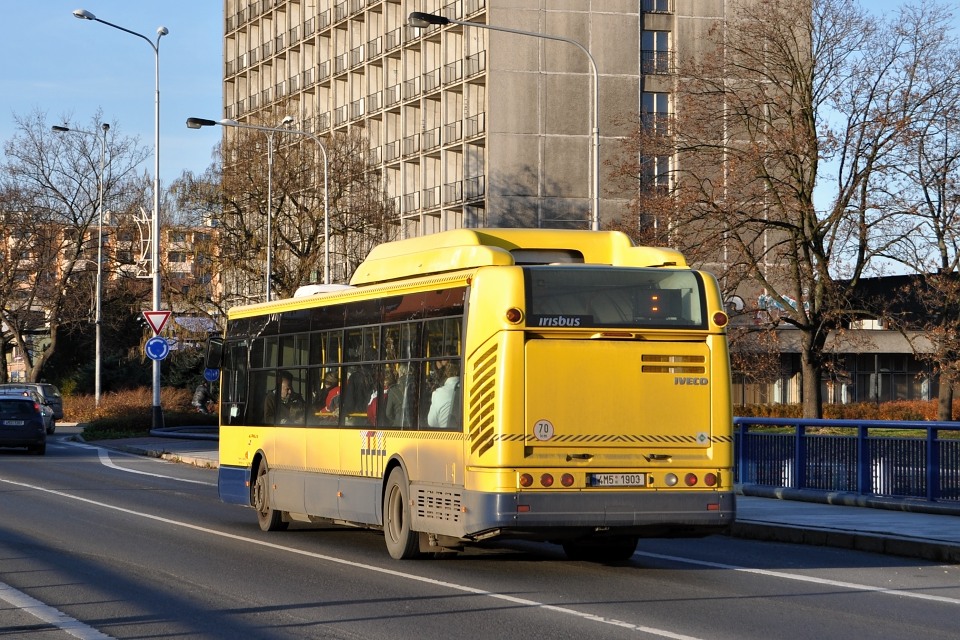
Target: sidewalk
(771, 516)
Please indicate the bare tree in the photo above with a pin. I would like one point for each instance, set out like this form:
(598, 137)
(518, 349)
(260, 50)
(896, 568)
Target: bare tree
(795, 97)
(927, 190)
(233, 195)
(52, 183)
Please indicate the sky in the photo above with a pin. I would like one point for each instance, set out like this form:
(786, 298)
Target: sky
(69, 68)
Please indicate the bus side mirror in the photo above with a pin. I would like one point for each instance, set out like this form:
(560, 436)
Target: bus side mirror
(214, 355)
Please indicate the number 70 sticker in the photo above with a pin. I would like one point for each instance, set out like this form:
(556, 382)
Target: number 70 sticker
(543, 430)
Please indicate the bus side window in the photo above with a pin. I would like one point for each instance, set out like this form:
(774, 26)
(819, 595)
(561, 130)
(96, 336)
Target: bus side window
(261, 383)
(355, 396)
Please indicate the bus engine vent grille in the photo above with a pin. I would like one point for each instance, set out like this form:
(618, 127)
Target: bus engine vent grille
(438, 504)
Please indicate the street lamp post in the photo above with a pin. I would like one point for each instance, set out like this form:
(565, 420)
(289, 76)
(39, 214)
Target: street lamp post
(155, 222)
(421, 20)
(98, 316)
(196, 123)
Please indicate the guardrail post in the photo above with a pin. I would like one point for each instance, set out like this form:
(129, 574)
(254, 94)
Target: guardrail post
(864, 463)
(800, 457)
(933, 465)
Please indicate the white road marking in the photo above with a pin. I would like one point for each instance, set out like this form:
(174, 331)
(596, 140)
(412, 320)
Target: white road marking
(802, 578)
(49, 615)
(105, 460)
(359, 565)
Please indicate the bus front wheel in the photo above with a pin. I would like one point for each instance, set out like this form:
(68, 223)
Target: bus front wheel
(402, 542)
(268, 518)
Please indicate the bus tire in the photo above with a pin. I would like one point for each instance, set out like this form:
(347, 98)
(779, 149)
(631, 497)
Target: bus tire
(608, 549)
(402, 542)
(268, 518)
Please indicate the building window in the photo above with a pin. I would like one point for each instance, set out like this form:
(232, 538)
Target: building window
(655, 112)
(655, 52)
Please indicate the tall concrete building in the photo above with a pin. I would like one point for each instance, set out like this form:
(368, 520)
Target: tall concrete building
(467, 126)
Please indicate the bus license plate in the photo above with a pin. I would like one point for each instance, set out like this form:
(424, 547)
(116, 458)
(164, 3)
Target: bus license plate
(618, 480)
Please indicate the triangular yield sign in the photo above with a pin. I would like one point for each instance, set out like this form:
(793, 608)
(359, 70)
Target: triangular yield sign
(156, 319)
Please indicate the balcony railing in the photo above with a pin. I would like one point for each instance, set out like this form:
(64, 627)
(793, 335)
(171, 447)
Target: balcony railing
(656, 62)
(391, 95)
(474, 188)
(411, 144)
(453, 192)
(453, 131)
(431, 80)
(411, 88)
(477, 63)
(431, 197)
(476, 125)
(431, 138)
(452, 72)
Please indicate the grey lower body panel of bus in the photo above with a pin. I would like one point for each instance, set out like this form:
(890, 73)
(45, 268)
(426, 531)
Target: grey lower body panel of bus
(559, 515)
(472, 515)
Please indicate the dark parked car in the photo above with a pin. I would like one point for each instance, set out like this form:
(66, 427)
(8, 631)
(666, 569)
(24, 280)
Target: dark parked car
(49, 421)
(22, 423)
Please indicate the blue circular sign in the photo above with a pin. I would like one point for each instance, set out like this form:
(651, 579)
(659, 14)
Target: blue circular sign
(211, 375)
(157, 348)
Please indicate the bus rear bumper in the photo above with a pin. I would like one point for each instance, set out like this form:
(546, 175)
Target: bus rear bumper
(645, 514)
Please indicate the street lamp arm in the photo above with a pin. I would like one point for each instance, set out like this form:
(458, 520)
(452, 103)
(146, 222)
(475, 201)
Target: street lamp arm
(161, 31)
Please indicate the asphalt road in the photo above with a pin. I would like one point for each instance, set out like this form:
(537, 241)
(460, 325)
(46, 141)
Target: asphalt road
(98, 544)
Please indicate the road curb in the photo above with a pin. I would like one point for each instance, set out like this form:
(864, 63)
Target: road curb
(934, 551)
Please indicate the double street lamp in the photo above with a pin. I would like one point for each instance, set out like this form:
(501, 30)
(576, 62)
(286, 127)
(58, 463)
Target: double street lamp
(98, 317)
(421, 20)
(196, 123)
(155, 222)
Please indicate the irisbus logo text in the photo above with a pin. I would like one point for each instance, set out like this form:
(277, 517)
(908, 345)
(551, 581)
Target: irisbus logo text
(690, 382)
(558, 321)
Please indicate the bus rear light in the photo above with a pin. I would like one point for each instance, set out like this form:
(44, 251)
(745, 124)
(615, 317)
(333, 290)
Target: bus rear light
(671, 480)
(720, 319)
(566, 480)
(526, 480)
(546, 480)
(710, 479)
(690, 479)
(514, 315)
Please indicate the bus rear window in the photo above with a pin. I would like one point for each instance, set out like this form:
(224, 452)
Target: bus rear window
(586, 296)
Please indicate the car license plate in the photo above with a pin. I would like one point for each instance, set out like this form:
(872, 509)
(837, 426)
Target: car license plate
(13, 423)
(618, 479)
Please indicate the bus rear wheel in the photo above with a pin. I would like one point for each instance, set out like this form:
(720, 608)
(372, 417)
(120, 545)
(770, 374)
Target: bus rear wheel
(609, 549)
(402, 542)
(268, 518)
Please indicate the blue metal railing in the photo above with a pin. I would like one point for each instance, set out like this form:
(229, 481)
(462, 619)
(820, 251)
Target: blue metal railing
(861, 459)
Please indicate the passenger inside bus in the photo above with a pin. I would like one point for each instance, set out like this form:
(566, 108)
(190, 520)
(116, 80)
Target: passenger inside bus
(401, 399)
(327, 399)
(442, 402)
(283, 405)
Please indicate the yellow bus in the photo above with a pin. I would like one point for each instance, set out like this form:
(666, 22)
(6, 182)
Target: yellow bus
(554, 385)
